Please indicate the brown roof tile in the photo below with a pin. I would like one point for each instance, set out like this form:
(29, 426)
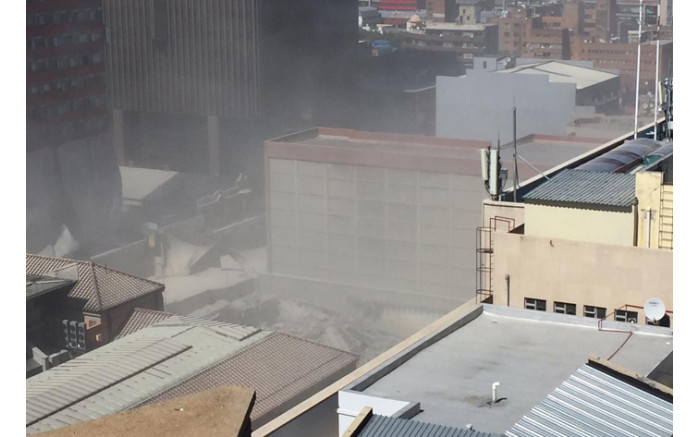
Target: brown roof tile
(101, 287)
(282, 369)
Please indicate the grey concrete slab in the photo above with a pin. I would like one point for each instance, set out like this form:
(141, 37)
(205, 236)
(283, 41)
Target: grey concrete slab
(529, 353)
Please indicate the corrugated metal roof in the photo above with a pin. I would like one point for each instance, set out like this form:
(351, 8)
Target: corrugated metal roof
(382, 426)
(585, 187)
(38, 285)
(101, 287)
(593, 403)
(280, 368)
(142, 318)
(560, 72)
(80, 378)
(204, 348)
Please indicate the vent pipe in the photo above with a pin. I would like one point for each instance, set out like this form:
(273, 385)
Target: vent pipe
(494, 392)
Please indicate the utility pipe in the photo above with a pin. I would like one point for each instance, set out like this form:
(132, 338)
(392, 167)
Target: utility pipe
(648, 218)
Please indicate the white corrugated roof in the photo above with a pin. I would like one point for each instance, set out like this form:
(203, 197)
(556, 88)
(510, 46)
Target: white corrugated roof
(591, 402)
(559, 72)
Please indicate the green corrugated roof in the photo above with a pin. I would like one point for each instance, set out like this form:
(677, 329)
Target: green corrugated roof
(586, 187)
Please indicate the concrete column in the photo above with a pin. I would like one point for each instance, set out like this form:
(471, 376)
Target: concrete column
(214, 145)
(118, 135)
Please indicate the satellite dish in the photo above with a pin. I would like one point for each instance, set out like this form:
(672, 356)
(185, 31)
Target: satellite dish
(654, 309)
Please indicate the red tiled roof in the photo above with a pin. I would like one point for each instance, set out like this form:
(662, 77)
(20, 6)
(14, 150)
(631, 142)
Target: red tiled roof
(282, 370)
(101, 287)
(142, 318)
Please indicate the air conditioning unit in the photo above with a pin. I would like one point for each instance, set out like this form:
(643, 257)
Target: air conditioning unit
(81, 335)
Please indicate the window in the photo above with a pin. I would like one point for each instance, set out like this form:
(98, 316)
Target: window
(626, 316)
(565, 308)
(535, 304)
(595, 312)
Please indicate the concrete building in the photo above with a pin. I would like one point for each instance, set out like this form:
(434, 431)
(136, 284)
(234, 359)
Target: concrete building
(398, 5)
(623, 58)
(547, 96)
(430, 378)
(377, 211)
(595, 88)
(368, 17)
(66, 93)
(67, 145)
(542, 34)
(77, 306)
(469, 11)
(587, 241)
(383, 215)
(167, 41)
(172, 356)
(195, 86)
(464, 41)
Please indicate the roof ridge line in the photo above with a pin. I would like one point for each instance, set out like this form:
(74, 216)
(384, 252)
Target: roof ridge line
(126, 274)
(94, 283)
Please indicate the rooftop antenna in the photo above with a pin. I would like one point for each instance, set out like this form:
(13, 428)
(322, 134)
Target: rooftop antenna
(515, 157)
(656, 76)
(639, 58)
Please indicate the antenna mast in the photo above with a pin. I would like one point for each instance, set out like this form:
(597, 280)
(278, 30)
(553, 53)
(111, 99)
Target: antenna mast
(656, 76)
(639, 59)
(515, 158)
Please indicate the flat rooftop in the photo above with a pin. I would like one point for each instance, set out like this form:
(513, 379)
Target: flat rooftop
(545, 152)
(529, 353)
(456, 26)
(346, 146)
(559, 72)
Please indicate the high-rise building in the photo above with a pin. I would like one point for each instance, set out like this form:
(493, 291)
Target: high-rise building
(66, 94)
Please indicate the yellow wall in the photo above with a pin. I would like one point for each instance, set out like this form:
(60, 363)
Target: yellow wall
(596, 226)
(656, 198)
(583, 273)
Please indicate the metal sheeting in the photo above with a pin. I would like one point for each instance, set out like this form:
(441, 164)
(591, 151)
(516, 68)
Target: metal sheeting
(238, 332)
(80, 378)
(280, 368)
(584, 187)
(593, 403)
(101, 287)
(381, 426)
(142, 318)
(204, 348)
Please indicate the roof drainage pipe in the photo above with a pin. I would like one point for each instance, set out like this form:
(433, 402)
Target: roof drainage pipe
(648, 218)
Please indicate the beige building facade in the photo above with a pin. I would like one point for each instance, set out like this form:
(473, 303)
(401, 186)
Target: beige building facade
(601, 262)
(583, 275)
